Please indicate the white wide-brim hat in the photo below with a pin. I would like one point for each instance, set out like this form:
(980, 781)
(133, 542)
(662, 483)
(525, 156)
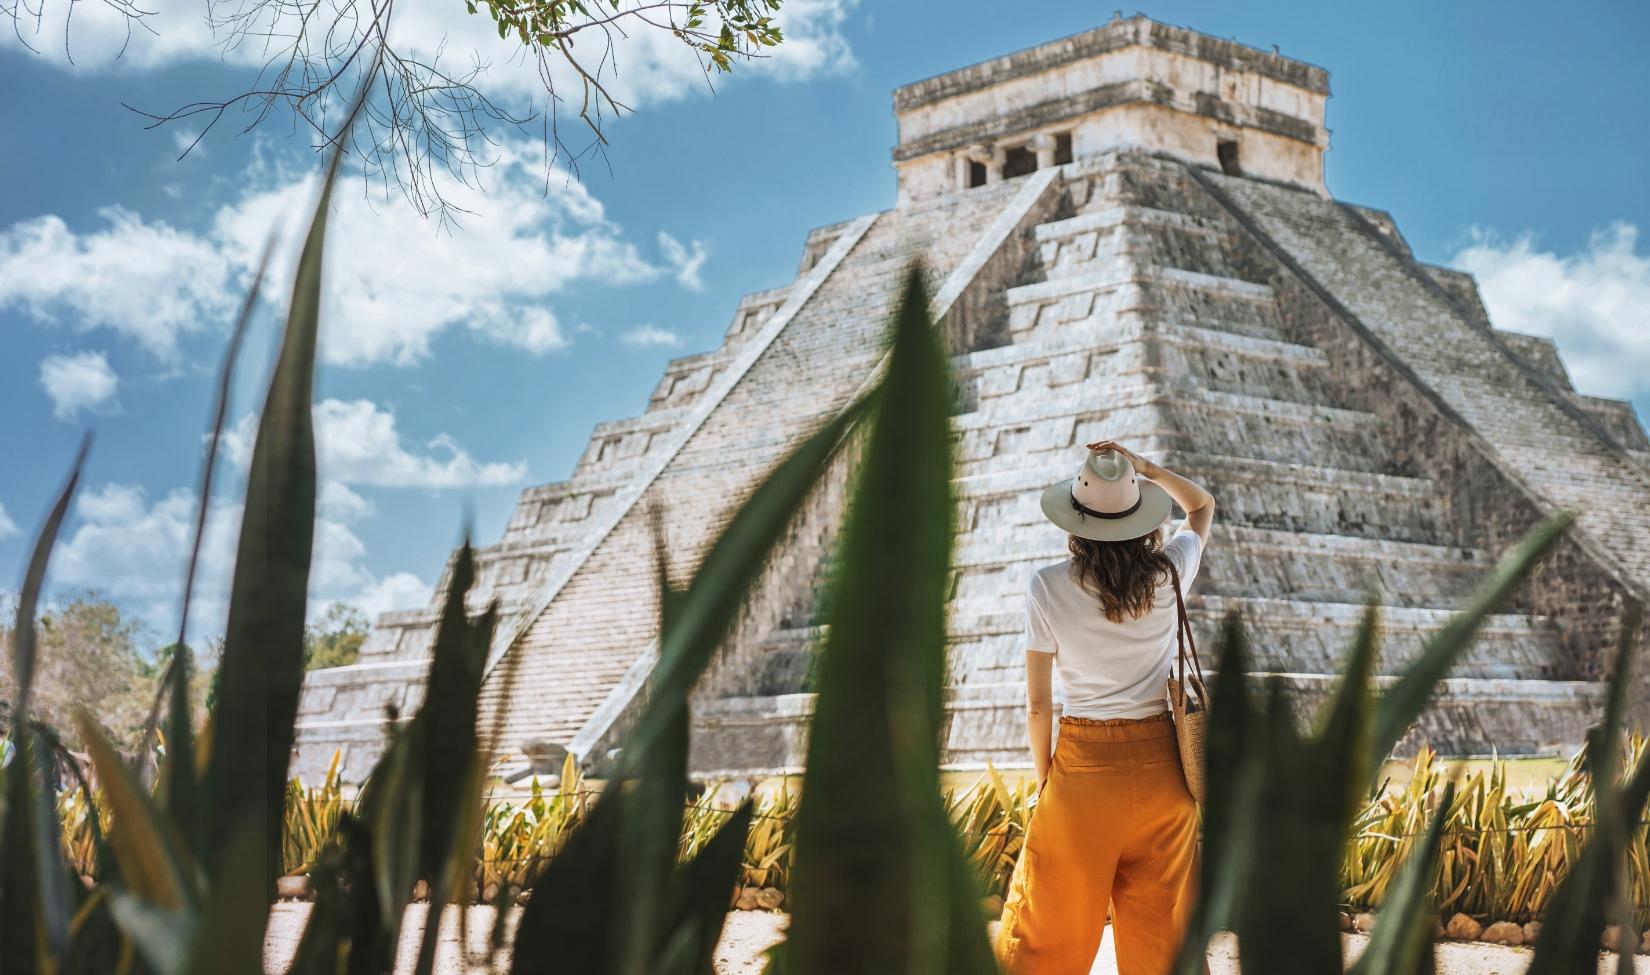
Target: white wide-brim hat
(1106, 501)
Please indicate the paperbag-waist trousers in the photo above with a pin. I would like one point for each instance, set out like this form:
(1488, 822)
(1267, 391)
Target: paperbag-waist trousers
(1114, 825)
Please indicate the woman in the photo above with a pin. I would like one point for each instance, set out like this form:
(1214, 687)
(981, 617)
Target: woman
(1114, 824)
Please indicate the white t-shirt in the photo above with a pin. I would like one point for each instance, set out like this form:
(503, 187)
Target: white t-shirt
(1108, 670)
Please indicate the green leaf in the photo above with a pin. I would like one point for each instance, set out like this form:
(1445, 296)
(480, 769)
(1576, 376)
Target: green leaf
(153, 862)
(448, 715)
(1234, 774)
(1404, 701)
(706, 883)
(230, 937)
(182, 800)
(650, 818)
(262, 665)
(27, 863)
(24, 638)
(162, 935)
(1289, 928)
(396, 820)
(1341, 752)
(34, 904)
(565, 926)
(1402, 941)
(875, 855)
(1573, 923)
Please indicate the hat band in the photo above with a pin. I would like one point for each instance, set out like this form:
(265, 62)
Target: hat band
(1108, 515)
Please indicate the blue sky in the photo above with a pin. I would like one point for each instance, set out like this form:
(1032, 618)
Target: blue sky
(464, 365)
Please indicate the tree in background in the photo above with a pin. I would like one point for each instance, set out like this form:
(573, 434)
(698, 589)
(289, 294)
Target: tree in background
(89, 655)
(335, 639)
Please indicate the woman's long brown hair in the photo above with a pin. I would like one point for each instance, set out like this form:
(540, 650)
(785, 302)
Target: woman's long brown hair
(1124, 576)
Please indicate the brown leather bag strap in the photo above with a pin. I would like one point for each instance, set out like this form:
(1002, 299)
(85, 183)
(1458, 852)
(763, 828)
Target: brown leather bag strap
(1183, 631)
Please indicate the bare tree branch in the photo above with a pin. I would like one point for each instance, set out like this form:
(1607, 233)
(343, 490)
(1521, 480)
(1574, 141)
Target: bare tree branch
(427, 120)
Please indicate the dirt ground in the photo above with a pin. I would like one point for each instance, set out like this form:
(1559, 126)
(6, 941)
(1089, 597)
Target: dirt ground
(749, 933)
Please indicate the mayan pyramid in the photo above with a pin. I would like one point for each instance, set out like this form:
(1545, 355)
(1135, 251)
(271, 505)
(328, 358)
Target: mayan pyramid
(1130, 237)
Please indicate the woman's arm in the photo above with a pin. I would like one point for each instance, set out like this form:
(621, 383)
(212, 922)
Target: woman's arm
(1040, 710)
(1198, 503)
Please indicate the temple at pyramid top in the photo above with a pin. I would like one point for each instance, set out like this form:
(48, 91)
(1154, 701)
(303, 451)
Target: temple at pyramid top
(1132, 84)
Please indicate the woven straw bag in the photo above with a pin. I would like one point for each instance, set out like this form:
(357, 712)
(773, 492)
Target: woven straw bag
(1188, 698)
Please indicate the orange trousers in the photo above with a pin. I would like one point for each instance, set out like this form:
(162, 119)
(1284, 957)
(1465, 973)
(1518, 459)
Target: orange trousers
(1114, 825)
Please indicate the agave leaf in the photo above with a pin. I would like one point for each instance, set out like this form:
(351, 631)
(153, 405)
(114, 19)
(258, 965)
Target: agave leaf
(874, 853)
(24, 638)
(566, 923)
(26, 863)
(1402, 941)
(449, 882)
(344, 923)
(180, 757)
(650, 818)
(1341, 749)
(1404, 701)
(1573, 923)
(181, 799)
(162, 935)
(396, 819)
(1235, 767)
(262, 666)
(448, 715)
(702, 902)
(153, 863)
(230, 937)
(1290, 928)
(33, 903)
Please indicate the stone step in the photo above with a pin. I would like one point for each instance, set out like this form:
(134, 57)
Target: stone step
(1175, 356)
(1009, 434)
(1316, 498)
(684, 378)
(1093, 301)
(1110, 278)
(1468, 717)
(1108, 217)
(992, 566)
(1291, 634)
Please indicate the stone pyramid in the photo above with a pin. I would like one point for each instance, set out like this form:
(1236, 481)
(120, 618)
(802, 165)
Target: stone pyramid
(1129, 237)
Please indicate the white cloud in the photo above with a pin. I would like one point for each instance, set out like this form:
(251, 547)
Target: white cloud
(651, 335)
(357, 442)
(647, 65)
(134, 550)
(401, 590)
(685, 261)
(1592, 303)
(82, 381)
(8, 527)
(147, 282)
(396, 281)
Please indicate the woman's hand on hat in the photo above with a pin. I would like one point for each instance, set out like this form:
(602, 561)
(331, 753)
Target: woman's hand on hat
(1145, 468)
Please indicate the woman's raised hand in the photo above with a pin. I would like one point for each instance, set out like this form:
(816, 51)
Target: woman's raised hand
(1145, 468)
